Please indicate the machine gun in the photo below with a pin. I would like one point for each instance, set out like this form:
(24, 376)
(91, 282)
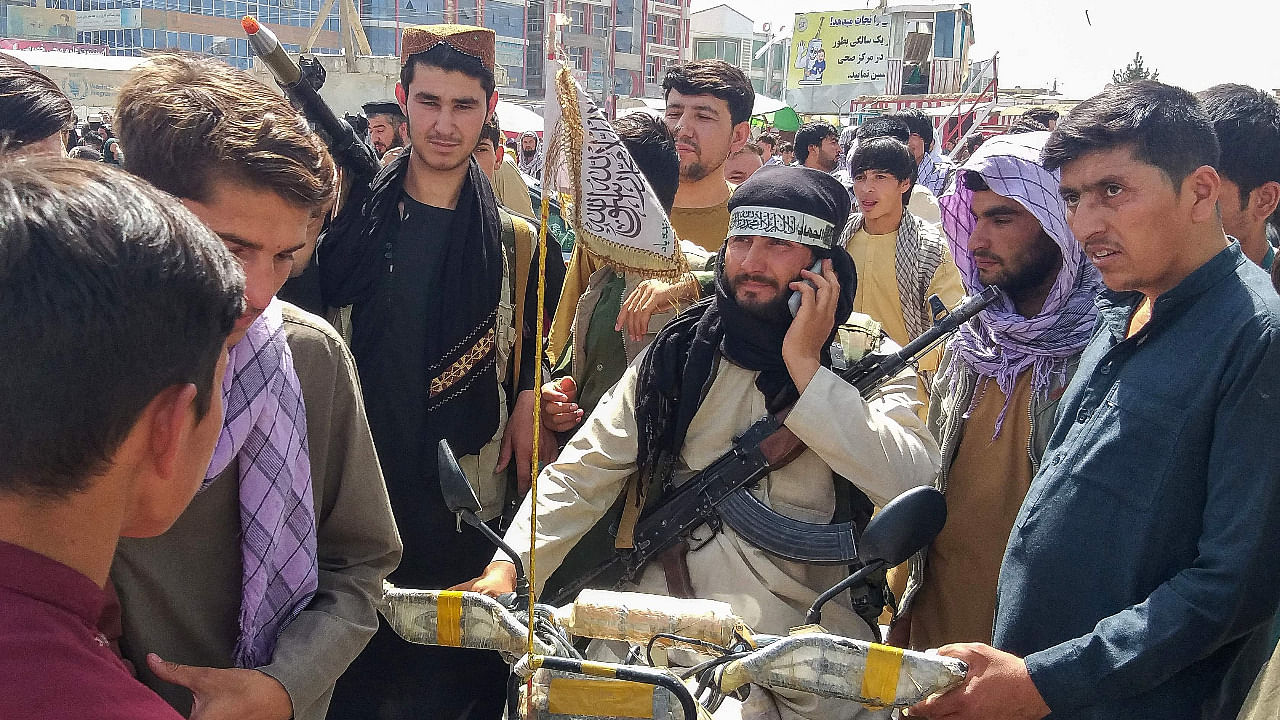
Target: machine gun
(720, 492)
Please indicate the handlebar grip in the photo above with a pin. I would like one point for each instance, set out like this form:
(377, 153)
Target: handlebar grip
(455, 619)
(637, 617)
(832, 666)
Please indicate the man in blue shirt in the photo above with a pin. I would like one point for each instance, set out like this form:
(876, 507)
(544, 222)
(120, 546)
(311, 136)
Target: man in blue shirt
(1140, 577)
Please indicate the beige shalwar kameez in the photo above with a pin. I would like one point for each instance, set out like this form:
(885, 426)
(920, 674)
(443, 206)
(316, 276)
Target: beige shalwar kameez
(879, 444)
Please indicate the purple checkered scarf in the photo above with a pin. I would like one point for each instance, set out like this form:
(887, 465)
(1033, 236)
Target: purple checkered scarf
(265, 429)
(999, 342)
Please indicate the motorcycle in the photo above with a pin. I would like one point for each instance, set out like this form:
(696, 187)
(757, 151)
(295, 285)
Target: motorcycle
(551, 679)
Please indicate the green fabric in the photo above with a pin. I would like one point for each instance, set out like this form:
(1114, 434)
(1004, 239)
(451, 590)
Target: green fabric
(606, 356)
(786, 120)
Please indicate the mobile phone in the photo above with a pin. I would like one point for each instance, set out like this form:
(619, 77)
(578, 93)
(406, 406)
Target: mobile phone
(793, 302)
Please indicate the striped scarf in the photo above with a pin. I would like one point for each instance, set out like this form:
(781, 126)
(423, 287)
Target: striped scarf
(999, 342)
(916, 257)
(265, 430)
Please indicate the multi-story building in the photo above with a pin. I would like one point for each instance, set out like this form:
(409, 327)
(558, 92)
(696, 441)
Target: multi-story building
(129, 27)
(383, 21)
(722, 33)
(618, 48)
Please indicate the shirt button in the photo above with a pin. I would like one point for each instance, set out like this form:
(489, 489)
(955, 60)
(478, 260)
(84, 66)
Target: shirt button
(1082, 416)
(599, 367)
(1105, 369)
(1057, 459)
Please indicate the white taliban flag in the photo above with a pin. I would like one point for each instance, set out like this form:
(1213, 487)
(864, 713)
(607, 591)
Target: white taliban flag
(615, 215)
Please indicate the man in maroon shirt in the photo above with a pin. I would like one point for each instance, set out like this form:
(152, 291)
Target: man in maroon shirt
(115, 306)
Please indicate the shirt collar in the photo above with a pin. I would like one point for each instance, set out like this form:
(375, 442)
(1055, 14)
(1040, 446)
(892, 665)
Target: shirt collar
(1199, 281)
(29, 573)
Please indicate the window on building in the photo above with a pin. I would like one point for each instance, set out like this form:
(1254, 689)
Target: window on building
(578, 57)
(599, 21)
(624, 40)
(651, 70)
(706, 49)
(757, 63)
(577, 18)
(671, 31)
(504, 18)
(651, 28)
(730, 50)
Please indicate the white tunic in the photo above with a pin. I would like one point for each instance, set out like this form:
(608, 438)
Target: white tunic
(881, 445)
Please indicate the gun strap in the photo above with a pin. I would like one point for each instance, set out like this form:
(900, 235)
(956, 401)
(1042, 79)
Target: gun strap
(517, 239)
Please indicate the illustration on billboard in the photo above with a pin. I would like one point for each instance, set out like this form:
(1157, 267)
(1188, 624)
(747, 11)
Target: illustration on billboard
(839, 48)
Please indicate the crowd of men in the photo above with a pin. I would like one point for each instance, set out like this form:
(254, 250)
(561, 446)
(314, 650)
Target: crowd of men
(204, 486)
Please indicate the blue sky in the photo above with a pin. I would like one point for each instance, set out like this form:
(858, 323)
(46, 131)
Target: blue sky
(1192, 44)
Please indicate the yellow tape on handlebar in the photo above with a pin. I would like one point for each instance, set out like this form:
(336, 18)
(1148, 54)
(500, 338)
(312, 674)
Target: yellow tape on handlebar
(449, 618)
(880, 679)
(599, 698)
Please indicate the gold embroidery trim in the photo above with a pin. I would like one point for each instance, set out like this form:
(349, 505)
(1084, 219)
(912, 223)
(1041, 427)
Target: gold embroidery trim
(463, 365)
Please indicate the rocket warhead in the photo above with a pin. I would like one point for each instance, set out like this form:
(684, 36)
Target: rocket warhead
(266, 46)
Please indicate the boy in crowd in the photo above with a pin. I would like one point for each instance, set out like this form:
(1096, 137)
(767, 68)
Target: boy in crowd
(266, 588)
(115, 306)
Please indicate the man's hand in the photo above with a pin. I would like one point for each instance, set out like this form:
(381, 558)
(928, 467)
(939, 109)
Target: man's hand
(802, 346)
(653, 296)
(560, 411)
(227, 693)
(998, 688)
(517, 441)
(499, 577)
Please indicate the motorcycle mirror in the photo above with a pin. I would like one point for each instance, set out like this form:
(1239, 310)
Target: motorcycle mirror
(457, 491)
(903, 526)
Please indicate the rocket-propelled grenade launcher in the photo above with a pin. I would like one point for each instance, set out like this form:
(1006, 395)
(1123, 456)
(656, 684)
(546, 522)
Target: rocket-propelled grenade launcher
(355, 157)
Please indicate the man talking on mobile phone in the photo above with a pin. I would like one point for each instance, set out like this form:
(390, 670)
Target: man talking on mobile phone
(713, 371)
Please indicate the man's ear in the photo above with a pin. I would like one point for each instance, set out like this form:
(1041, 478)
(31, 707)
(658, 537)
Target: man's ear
(170, 417)
(1203, 184)
(741, 134)
(403, 98)
(493, 105)
(1263, 201)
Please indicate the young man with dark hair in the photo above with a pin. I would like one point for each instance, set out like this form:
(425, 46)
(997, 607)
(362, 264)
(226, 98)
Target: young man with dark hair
(1247, 123)
(34, 113)
(1140, 577)
(115, 306)
(266, 588)
(709, 105)
(491, 156)
(818, 146)
(768, 143)
(740, 165)
(998, 383)
(444, 301)
(387, 126)
(933, 171)
(923, 204)
(901, 259)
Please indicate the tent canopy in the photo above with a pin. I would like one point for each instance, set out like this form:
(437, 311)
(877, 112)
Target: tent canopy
(514, 118)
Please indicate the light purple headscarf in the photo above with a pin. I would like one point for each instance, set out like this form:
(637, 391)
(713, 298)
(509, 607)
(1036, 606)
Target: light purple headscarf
(265, 428)
(999, 343)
